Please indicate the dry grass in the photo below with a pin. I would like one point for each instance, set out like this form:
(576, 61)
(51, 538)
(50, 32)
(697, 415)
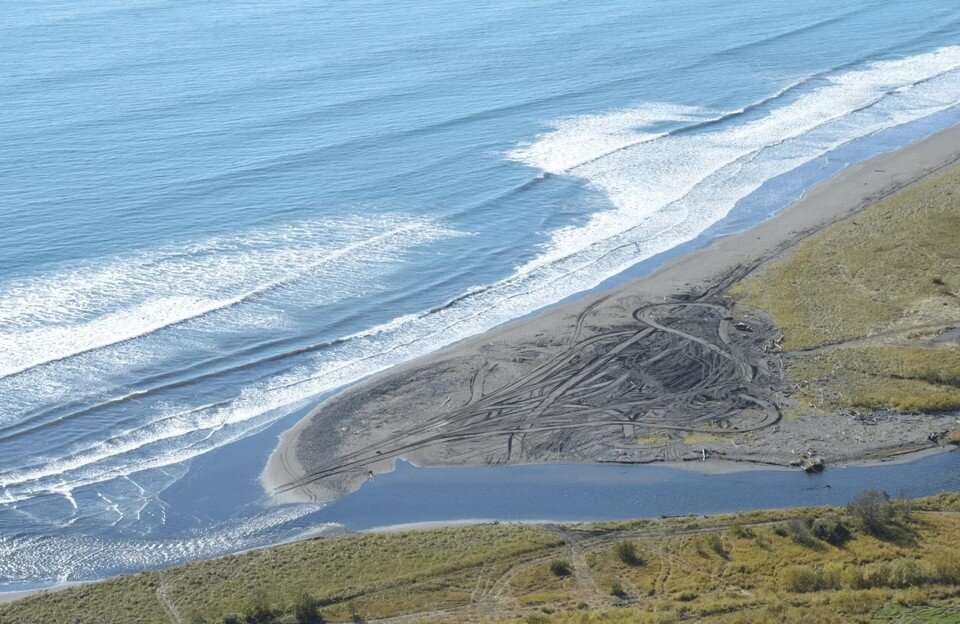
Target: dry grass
(653, 437)
(742, 568)
(369, 574)
(699, 438)
(871, 272)
(886, 279)
(866, 378)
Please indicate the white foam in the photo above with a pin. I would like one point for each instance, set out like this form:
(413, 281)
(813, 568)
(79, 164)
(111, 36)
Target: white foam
(653, 174)
(573, 141)
(81, 557)
(61, 314)
(664, 189)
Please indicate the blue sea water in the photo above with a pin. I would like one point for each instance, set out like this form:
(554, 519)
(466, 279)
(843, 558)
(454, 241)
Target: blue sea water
(215, 212)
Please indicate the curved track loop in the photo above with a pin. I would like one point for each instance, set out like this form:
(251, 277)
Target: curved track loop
(675, 366)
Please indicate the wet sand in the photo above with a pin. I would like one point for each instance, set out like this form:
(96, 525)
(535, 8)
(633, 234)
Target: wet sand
(499, 397)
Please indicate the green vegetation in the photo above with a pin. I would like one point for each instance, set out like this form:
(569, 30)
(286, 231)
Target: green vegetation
(900, 614)
(655, 437)
(878, 559)
(862, 304)
(561, 568)
(903, 379)
(627, 553)
(371, 574)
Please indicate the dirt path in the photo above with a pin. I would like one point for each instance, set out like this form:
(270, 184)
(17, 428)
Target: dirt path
(167, 605)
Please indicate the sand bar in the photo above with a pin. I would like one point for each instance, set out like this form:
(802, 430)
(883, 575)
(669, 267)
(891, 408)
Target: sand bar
(540, 389)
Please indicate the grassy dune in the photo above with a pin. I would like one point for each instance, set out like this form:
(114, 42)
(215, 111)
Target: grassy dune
(868, 306)
(791, 566)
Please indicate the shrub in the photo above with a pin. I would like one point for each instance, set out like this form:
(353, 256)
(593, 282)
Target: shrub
(714, 543)
(831, 530)
(560, 568)
(849, 601)
(876, 575)
(946, 569)
(908, 573)
(616, 589)
(874, 511)
(259, 612)
(802, 579)
(306, 610)
(799, 529)
(913, 597)
(902, 573)
(626, 551)
(738, 530)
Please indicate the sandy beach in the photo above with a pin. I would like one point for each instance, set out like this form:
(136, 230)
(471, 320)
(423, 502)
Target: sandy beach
(563, 385)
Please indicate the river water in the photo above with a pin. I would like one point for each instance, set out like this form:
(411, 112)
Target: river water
(216, 212)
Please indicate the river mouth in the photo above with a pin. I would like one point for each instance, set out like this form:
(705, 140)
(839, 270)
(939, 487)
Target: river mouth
(411, 495)
(214, 504)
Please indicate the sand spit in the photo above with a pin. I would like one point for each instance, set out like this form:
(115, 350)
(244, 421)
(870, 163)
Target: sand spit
(603, 378)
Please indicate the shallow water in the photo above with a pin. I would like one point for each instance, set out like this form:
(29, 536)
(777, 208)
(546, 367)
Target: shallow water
(213, 213)
(594, 492)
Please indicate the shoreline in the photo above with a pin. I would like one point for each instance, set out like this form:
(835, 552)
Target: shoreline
(455, 371)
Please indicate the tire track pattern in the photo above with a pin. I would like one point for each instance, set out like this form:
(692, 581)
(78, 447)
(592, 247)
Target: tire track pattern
(681, 365)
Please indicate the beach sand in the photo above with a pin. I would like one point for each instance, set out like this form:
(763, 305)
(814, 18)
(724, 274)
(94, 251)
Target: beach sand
(499, 396)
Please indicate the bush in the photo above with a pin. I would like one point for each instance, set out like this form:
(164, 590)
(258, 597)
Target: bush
(714, 543)
(874, 511)
(876, 575)
(626, 551)
(946, 570)
(848, 601)
(904, 573)
(616, 589)
(738, 530)
(831, 530)
(259, 612)
(560, 568)
(800, 531)
(306, 610)
(802, 579)
(908, 573)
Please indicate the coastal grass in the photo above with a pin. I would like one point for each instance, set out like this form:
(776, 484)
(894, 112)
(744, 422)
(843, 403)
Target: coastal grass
(896, 261)
(376, 574)
(905, 379)
(861, 305)
(751, 567)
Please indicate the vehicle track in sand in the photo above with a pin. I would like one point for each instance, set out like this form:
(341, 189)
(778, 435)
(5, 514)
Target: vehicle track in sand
(679, 366)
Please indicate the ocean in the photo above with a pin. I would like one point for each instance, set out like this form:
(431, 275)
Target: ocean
(213, 213)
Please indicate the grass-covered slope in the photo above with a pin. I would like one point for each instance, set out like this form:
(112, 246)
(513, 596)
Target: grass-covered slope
(824, 565)
(377, 574)
(870, 306)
